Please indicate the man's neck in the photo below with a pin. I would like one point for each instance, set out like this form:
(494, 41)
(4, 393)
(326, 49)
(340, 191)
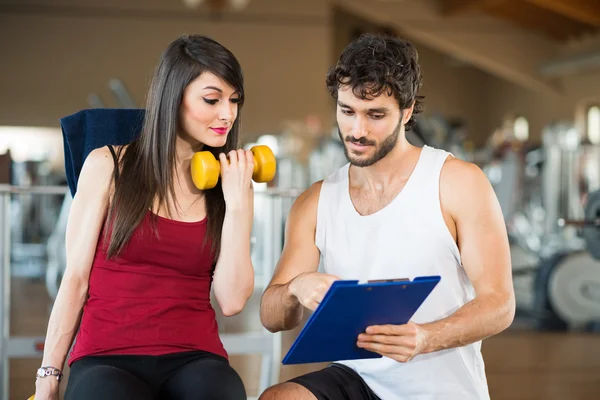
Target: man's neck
(395, 167)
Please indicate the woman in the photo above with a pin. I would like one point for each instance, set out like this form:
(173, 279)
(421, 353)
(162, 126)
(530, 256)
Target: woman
(144, 245)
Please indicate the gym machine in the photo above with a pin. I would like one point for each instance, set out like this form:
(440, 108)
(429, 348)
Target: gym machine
(550, 203)
(567, 282)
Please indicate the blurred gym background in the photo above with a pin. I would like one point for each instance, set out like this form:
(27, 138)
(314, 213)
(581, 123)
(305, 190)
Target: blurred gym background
(512, 85)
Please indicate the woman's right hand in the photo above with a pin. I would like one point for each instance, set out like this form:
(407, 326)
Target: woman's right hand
(236, 174)
(46, 388)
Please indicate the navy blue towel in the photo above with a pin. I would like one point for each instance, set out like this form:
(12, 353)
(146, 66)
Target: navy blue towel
(90, 129)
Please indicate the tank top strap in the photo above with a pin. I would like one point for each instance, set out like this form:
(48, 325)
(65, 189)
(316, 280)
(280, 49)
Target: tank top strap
(116, 161)
(331, 195)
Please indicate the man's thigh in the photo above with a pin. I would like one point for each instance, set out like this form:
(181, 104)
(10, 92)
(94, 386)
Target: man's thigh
(336, 382)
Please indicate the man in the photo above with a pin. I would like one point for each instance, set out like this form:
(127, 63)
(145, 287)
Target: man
(395, 211)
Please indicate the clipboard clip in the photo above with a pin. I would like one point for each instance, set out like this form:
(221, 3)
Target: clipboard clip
(389, 280)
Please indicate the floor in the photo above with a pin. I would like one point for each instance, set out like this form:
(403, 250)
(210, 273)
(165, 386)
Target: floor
(520, 364)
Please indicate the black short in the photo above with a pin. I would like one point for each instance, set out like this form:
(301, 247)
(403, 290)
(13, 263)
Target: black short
(336, 382)
(187, 376)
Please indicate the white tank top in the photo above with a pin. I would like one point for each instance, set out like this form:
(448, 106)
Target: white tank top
(405, 239)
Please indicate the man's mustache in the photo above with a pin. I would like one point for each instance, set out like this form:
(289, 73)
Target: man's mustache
(362, 141)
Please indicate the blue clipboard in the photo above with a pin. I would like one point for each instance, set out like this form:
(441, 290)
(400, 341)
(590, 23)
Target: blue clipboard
(348, 308)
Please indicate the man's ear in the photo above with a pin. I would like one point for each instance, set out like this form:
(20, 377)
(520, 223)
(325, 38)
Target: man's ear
(407, 113)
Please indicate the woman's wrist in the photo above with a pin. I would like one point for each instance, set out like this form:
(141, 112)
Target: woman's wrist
(49, 372)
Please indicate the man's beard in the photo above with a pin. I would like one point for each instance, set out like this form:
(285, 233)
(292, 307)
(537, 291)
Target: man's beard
(381, 150)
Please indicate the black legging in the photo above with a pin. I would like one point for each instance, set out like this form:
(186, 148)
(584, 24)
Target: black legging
(183, 376)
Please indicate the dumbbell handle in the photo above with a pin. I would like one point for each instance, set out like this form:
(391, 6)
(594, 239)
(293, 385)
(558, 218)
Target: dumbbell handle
(206, 169)
(579, 222)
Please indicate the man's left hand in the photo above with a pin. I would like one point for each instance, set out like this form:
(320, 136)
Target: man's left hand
(399, 342)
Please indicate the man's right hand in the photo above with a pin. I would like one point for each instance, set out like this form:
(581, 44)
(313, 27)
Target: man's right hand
(310, 288)
(46, 388)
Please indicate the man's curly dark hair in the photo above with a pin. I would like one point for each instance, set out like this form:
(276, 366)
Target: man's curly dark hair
(374, 63)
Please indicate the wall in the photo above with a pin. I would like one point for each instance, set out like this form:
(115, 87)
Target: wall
(577, 89)
(54, 57)
(455, 91)
(57, 54)
(542, 109)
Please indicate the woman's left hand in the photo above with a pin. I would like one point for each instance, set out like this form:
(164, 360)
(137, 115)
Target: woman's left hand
(236, 179)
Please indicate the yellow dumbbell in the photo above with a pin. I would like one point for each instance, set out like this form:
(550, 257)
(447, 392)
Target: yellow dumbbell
(206, 168)
(31, 398)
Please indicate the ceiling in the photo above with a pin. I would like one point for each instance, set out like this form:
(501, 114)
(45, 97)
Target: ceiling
(557, 20)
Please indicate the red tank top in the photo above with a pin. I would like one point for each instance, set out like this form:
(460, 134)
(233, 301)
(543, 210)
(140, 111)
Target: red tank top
(154, 298)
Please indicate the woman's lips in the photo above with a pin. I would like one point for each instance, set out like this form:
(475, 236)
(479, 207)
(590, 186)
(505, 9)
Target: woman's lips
(220, 131)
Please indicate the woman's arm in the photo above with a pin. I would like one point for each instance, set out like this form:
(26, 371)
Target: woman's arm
(86, 217)
(234, 273)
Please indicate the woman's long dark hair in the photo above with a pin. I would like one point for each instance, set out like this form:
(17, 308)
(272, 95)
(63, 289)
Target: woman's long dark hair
(146, 168)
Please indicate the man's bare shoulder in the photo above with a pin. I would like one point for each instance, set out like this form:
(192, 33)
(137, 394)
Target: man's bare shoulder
(463, 184)
(308, 200)
(457, 169)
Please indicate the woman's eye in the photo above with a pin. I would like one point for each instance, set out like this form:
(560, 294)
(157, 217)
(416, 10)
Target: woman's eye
(212, 102)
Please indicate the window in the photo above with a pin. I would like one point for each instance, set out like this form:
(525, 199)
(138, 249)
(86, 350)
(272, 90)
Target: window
(521, 129)
(27, 143)
(593, 124)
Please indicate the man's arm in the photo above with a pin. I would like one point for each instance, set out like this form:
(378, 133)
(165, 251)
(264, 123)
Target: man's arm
(280, 307)
(483, 242)
(467, 195)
